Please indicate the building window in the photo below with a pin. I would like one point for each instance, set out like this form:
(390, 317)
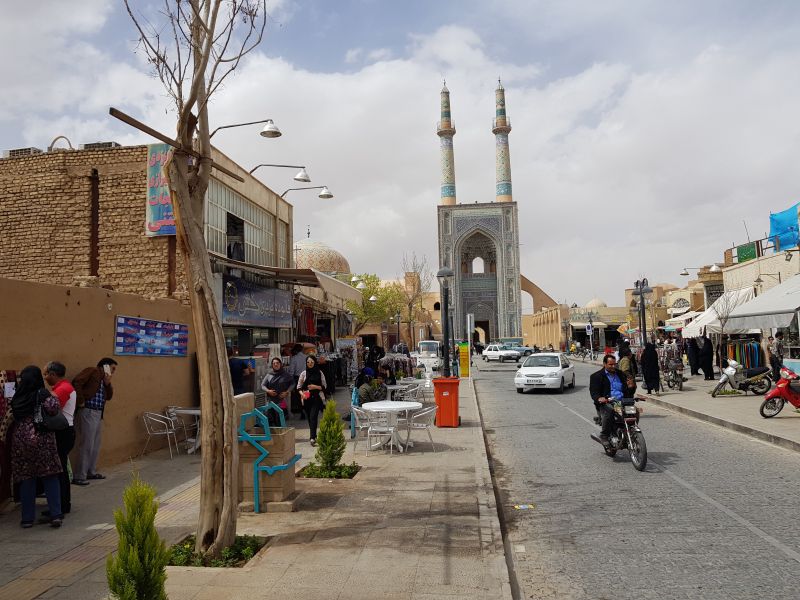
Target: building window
(283, 244)
(437, 306)
(478, 265)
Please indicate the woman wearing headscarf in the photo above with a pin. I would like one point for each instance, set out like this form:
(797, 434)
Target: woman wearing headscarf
(707, 358)
(312, 386)
(693, 354)
(33, 450)
(650, 370)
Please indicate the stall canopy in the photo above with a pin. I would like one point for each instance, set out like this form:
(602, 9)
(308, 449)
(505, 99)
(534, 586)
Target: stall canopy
(683, 319)
(774, 308)
(709, 320)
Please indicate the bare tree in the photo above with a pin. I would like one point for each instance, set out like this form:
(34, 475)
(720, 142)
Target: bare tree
(193, 48)
(417, 280)
(724, 306)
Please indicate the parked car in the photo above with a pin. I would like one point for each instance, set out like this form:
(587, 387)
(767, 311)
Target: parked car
(499, 353)
(523, 350)
(547, 370)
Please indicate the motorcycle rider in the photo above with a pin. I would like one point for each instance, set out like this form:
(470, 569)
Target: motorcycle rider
(605, 386)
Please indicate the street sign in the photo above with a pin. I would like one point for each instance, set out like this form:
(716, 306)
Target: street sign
(589, 330)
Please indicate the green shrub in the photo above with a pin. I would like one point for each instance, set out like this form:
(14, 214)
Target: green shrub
(138, 570)
(330, 440)
(242, 550)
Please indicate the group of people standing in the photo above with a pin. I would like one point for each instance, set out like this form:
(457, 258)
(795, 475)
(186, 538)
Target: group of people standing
(41, 440)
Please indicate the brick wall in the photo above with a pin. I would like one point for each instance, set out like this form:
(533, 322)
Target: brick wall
(45, 209)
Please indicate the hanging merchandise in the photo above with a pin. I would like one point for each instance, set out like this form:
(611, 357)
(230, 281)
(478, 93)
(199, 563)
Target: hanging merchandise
(745, 352)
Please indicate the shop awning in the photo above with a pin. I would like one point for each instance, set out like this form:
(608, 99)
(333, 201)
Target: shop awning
(683, 319)
(583, 324)
(337, 288)
(307, 277)
(709, 320)
(774, 308)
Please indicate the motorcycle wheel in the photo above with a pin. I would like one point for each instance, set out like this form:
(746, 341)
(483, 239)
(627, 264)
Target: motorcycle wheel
(638, 450)
(670, 383)
(717, 389)
(761, 386)
(771, 407)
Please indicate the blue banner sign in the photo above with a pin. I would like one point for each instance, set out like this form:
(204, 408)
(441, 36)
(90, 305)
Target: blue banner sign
(160, 216)
(135, 336)
(249, 305)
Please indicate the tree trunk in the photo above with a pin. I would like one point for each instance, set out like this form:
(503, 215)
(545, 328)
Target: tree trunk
(218, 491)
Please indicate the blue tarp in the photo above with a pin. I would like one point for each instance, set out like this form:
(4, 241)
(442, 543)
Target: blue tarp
(783, 226)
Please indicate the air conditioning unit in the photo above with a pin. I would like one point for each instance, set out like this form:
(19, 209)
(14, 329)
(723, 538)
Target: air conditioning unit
(19, 152)
(100, 146)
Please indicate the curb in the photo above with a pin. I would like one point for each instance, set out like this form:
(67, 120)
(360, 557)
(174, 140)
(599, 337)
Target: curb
(491, 511)
(776, 440)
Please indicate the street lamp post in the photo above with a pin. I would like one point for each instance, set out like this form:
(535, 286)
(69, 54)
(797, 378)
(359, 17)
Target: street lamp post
(270, 130)
(642, 289)
(324, 194)
(564, 325)
(398, 316)
(444, 275)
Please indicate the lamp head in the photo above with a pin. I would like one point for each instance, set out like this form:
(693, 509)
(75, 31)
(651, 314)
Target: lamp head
(354, 279)
(325, 193)
(715, 268)
(758, 280)
(444, 274)
(270, 130)
(685, 272)
(373, 299)
(361, 285)
(302, 175)
(788, 257)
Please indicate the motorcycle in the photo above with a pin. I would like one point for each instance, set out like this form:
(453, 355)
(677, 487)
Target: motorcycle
(627, 435)
(674, 375)
(756, 380)
(781, 394)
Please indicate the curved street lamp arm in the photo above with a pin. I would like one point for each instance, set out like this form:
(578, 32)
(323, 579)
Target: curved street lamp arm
(237, 125)
(313, 187)
(268, 165)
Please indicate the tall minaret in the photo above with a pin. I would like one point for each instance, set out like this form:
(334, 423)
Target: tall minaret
(446, 130)
(501, 129)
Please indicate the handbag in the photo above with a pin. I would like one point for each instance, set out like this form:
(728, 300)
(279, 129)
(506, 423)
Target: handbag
(43, 421)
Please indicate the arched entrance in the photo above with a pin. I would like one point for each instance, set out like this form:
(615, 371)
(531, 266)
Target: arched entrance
(478, 287)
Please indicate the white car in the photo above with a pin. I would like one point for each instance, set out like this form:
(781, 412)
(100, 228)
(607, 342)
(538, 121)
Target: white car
(548, 370)
(500, 353)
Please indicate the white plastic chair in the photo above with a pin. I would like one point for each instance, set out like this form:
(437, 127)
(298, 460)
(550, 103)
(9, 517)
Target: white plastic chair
(422, 419)
(361, 423)
(379, 428)
(159, 425)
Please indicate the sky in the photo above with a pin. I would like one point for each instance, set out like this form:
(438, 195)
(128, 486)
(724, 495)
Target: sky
(648, 136)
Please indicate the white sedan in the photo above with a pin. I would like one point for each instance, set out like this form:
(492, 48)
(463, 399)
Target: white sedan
(548, 370)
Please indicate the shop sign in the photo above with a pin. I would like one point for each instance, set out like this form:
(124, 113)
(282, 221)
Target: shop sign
(746, 252)
(134, 336)
(160, 219)
(247, 304)
(713, 292)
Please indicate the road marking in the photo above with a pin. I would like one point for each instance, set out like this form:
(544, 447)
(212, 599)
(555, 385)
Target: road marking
(775, 543)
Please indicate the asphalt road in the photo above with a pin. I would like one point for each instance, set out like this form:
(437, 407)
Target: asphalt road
(715, 515)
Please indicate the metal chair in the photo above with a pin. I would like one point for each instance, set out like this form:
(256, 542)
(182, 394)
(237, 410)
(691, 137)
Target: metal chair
(360, 422)
(422, 419)
(188, 426)
(159, 425)
(379, 427)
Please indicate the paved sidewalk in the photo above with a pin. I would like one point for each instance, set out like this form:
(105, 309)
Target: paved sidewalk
(418, 525)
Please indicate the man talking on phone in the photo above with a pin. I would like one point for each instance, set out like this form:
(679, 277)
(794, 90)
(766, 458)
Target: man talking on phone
(93, 388)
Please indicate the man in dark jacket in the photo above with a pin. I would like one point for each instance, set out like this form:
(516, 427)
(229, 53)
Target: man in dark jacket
(605, 386)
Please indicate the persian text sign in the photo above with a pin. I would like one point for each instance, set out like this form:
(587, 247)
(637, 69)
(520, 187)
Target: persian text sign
(463, 359)
(160, 218)
(249, 305)
(135, 336)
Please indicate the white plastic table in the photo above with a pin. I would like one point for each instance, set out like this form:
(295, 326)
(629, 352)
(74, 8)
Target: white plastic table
(193, 412)
(393, 409)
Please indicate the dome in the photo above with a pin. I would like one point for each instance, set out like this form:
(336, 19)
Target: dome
(317, 255)
(596, 303)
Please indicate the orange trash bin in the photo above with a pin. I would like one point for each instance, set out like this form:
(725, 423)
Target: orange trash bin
(445, 391)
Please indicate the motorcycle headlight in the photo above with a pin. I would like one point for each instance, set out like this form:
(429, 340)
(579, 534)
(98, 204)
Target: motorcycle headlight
(630, 410)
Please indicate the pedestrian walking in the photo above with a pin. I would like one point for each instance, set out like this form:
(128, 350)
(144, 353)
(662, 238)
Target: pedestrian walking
(278, 385)
(65, 438)
(626, 363)
(651, 372)
(776, 354)
(706, 358)
(312, 386)
(33, 449)
(239, 370)
(297, 364)
(693, 354)
(93, 388)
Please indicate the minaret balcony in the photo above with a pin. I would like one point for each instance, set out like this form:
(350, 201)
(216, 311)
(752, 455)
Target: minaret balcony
(501, 125)
(441, 130)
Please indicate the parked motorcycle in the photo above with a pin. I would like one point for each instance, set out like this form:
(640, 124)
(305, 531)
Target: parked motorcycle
(674, 375)
(756, 380)
(627, 435)
(781, 394)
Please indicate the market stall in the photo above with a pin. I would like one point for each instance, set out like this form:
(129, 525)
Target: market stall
(709, 321)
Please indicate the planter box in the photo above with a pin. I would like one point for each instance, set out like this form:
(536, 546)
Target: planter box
(273, 488)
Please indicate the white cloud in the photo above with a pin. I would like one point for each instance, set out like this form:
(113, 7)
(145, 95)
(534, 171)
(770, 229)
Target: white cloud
(620, 169)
